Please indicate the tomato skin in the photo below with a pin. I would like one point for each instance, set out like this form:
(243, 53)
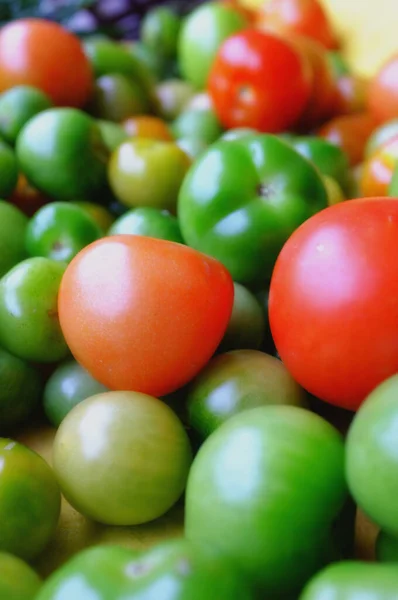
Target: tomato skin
(383, 91)
(305, 17)
(253, 79)
(351, 133)
(144, 314)
(378, 170)
(333, 310)
(45, 55)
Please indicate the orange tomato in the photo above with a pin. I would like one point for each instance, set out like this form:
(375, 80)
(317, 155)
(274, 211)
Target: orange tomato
(147, 127)
(378, 170)
(352, 94)
(351, 133)
(44, 54)
(27, 198)
(144, 314)
(383, 91)
(303, 17)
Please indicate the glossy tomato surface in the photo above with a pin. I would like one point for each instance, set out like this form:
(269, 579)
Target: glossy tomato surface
(43, 54)
(333, 307)
(259, 80)
(383, 91)
(144, 314)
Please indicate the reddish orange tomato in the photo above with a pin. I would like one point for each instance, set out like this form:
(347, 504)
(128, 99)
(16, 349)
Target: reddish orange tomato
(322, 102)
(303, 17)
(259, 80)
(352, 94)
(43, 54)
(351, 133)
(378, 170)
(383, 91)
(144, 314)
(27, 198)
(147, 127)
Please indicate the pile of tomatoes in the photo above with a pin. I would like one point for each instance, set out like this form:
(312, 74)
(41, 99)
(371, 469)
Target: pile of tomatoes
(198, 255)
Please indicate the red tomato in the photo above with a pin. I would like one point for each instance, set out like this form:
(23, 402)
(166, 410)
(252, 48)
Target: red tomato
(351, 133)
(259, 80)
(333, 300)
(323, 98)
(305, 17)
(379, 168)
(43, 54)
(383, 91)
(143, 314)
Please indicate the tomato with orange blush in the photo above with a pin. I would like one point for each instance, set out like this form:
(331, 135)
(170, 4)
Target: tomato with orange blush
(378, 170)
(351, 133)
(147, 127)
(383, 92)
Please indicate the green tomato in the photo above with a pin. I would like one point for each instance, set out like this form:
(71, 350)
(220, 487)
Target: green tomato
(246, 328)
(150, 61)
(145, 172)
(18, 581)
(353, 581)
(69, 385)
(101, 215)
(122, 458)
(62, 153)
(8, 170)
(372, 456)
(116, 97)
(13, 224)
(29, 324)
(173, 95)
(380, 136)
(386, 548)
(193, 147)
(265, 489)
(151, 222)
(242, 199)
(328, 158)
(112, 133)
(30, 501)
(159, 31)
(238, 133)
(202, 33)
(198, 124)
(17, 106)
(59, 231)
(20, 391)
(235, 382)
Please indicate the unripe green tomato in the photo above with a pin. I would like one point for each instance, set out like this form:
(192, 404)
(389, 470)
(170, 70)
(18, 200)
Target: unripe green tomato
(8, 170)
(148, 221)
(18, 581)
(17, 106)
(246, 327)
(116, 97)
(13, 224)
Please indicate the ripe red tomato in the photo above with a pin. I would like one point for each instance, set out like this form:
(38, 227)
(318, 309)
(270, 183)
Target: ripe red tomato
(43, 54)
(333, 300)
(143, 314)
(305, 17)
(259, 80)
(383, 91)
(351, 133)
(378, 169)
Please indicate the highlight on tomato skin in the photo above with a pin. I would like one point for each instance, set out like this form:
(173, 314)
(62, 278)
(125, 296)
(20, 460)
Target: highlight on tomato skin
(383, 91)
(144, 314)
(332, 305)
(378, 170)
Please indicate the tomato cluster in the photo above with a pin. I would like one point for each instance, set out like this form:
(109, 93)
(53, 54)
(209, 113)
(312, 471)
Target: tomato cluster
(199, 294)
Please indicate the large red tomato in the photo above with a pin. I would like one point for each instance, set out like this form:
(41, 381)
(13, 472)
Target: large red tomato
(259, 80)
(144, 314)
(43, 54)
(383, 91)
(333, 300)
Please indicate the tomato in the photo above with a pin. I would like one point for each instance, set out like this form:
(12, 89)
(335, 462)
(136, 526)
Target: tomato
(99, 214)
(147, 173)
(237, 381)
(264, 489)
(43, 54)
(378, 170)
(352, 93)
(26, 197)
(17, 106)
(116, 97)
(305, 17)
(30, 501)
(20, 392)
(202, 33)
(148, 221)
(172, 96)
(8, 170)
(246, 327)
(144, 314)
(147, 127)
(13, 224)
(159, 31)
(353, 581)
(383, 91)
(200, 124)
(371, 455)
(380, 136)
(351, 133)
(253, 79)
(334, 191)
(333, 309)
(137, 467)
(18, 581)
